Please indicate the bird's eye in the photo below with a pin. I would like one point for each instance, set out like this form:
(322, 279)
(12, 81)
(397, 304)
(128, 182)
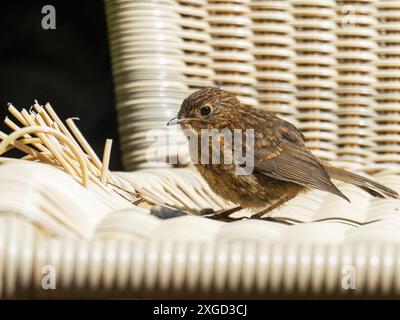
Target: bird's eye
(205, 111)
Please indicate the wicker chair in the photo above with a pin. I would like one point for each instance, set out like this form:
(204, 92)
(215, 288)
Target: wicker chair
(330, 67)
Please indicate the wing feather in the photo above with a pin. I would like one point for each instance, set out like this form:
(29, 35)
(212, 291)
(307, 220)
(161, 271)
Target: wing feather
(295, 164)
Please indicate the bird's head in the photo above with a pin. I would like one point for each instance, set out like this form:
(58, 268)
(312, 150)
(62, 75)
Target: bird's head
(209, 108)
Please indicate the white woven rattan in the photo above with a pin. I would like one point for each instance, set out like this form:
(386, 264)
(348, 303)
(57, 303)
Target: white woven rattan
(330, 67)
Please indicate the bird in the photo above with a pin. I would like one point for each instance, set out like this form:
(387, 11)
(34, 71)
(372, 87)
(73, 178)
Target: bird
(283, 167)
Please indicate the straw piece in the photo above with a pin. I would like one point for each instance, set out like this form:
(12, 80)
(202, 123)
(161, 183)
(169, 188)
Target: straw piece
(40, 110)
(106, 160)
(82, 141)
(48, 142)
(17, 114)
(30, 140)
(55, 151)
(55, 126)
(93, 158)
(40, 122)
(54, 121)
(92, 176)
(49, 112)
(42, 131)
(70, 157)
(20, 145)
(57, 120)
(10, 124)
(28, 157)
(15, 127)
(91, 167)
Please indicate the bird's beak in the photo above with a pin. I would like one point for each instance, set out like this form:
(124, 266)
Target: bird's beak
(174, 121)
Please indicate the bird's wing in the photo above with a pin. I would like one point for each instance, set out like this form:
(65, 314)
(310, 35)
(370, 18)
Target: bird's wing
(281, 129)
(285, 158)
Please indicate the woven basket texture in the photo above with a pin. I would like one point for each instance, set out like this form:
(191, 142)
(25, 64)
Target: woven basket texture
(330, 67)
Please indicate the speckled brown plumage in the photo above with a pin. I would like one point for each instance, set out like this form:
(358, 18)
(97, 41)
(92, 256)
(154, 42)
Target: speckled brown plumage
(283, 166)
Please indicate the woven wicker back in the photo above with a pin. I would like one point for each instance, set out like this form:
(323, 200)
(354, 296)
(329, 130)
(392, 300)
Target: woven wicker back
(330, 67)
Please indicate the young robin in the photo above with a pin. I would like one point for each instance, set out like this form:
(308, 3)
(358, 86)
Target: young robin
(283, 167)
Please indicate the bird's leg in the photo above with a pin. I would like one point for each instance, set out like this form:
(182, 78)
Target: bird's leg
(268, 209)
(223, 215)
(275, 205)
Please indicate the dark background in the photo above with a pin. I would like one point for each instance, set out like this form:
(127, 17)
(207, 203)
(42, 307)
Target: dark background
(68, 67)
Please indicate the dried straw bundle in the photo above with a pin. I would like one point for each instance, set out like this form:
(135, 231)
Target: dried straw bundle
(45, 138)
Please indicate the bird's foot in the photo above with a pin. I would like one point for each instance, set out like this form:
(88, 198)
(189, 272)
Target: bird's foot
(222, 215)
(263, 215)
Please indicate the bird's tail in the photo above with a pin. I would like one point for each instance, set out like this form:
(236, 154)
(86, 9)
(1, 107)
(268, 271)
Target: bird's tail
(373, 188)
